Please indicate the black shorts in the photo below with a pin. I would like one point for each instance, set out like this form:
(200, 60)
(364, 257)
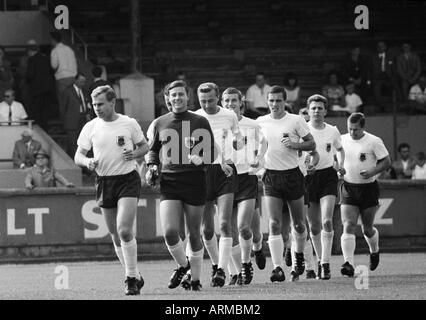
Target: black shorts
(363, 196)
(247, 188)
(109, 189)
(285, 184)
(218, 183)
(322, 183)
(189, 187)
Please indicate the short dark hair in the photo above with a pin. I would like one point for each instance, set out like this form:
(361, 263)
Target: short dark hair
(357, 117)
(97, 71)
(232, 90)
(207, 87)
(176, 84)
(278, 89)
(56, 35)
(403, 145)
(317, 98)
(109, 92)
(288, 76)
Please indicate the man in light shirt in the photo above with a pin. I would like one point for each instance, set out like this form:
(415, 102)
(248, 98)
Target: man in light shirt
(419, 172)
(11, 110)
(365, 158)
(257, 97)
(404, 166)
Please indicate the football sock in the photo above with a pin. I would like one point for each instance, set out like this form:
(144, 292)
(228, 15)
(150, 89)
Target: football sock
(130, 255)
(178, 253)
(373, 242)
(316, 241)
(212, 249)
(225, 247)
(327, 244)
(196, 261)
(276, 248)
(246, 249)
(348, 247)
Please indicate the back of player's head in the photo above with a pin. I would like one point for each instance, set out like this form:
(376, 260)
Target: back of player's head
(357, 117)
(176, 84)
(206, 87)
(403, 145)
(97, 71)
(278, 89)
(232, 90)
(317, 98)
(109, 92)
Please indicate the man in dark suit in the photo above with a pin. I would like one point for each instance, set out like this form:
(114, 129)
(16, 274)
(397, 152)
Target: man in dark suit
(97, 82)
(405, 165)
(409, 68)
(25, 150)
(76, 112)
(41, 87)
(383, 74)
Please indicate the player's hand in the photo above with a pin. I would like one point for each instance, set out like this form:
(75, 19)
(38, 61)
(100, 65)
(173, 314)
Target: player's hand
(367, 174)
(128, 155)
(196, 160)
(29, 186)
(310, 169)
(288, 143)
(237, 144)
(341, 171)
(227, 169)
(92, 164)
(152, 175)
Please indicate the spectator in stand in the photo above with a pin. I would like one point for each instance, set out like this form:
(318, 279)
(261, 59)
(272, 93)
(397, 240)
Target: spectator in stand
(417, 96)
(41, 88)
(64, 63)
(352, 100)
(11, 110)
(24, 150)
(6, 77)
(419, 172)
(42, 174)
(98, 81)
(192, 102)
(257, 97)
(409, 68)
(405, 165)
(292, 89)
(160, 101)
(355, 70)
(383, 74)
(388, 174)
(334, 93)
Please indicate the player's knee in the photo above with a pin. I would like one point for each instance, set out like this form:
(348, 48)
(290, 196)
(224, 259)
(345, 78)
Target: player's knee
(349, 228)
(315, 229)
(208, 233)
(327, 225)
(299, 227)
(125, 234)
(171, 237)
(245, 231)
(225, 228)
(368, 231)
(115, 239)
(275, 226)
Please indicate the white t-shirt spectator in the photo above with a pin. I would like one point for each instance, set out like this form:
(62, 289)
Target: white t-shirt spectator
(17, 109)
(63, 61)
(327, 141)
(362, 154)
(258, 96)
(353, 101)
(224, 125)
(419, 173)
(103, 137)
(417, 94)
(279, 157)
(292, 95)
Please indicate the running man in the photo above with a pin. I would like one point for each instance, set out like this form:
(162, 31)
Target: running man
(118, 185)
(322, 184)
(366, 157)
(283, 180)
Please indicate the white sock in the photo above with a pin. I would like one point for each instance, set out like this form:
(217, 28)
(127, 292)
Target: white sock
(373, 242)
(276, 248)
(188, 247)
(299, 239)
(178, 253)
(293, 256)
(130, 257)
(236, 257)
(231, 268)
(348, 247)
(245, 249)
(196, 261)
(119, 253)
(309, 255)
(327, 245)
(316, 242)
(212, 249)
(185, 244)
(258, 245)
(225, 247)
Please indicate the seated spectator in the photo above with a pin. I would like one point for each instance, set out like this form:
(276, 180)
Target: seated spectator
(355, 70)
(419, 172)
(11, 110)
(405, 165)
(408, 67)
(6, 76)
(292, 89)
(334, 93)
(42, 174)
(352, 100)
(257, 97)
(417, 96)
(24, 150)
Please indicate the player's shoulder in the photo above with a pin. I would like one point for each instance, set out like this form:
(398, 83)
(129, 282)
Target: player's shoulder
(247, 121)
(263, 119)
(226, 113)
(372, 137)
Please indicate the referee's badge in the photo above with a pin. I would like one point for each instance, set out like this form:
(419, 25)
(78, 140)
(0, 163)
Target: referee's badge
(362, 157)
(120, 141)
(328, 147)
(189, 142)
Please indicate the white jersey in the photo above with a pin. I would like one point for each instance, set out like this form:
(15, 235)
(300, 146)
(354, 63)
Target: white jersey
(105, 138)
(279, 157)
(252, 134)
(361, 155)
(327, 141)
(224, 125)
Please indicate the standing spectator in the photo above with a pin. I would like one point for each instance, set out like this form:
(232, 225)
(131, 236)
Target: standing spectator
(417, 96)
(98, 81)
(352, 100)
(292, 89)
(24, 150)
(409, 68)
(6, 77)
(42, 174)
(419, 171)
(257, 97)
(41, 85)
(383, 74)
(334, 93)
(355, 70)
(405, 165)
(11, 110)
(192, 102)
(64, 63)
(76, 112)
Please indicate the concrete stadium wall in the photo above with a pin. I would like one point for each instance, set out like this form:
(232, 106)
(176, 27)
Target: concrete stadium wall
(49, 222)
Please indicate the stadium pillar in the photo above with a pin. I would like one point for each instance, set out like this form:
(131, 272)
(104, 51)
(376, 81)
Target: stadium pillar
(135, 26)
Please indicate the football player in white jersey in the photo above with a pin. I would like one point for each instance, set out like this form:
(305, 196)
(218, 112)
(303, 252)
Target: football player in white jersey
(322, 184)
(366, 157)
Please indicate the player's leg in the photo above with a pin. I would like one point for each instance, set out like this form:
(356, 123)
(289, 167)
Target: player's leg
(314, 220)
(260, 258)
(350, 215)
(209, 235)
(234, 265)
(286, 233)
(327, 209)
(371, 235)
(308, 251)
(110, 217)
(245, 216)
(298, 231)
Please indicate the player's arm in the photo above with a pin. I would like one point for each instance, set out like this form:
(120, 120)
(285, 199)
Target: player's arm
(141, 149)
(308, 143)
(382, 165)
(340, 156)
(82, 160)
